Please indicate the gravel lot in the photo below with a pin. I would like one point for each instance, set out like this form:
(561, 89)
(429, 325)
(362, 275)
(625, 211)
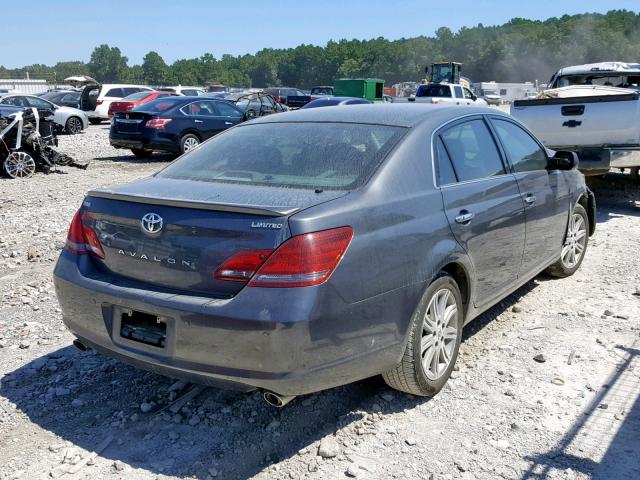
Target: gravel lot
(571, 413)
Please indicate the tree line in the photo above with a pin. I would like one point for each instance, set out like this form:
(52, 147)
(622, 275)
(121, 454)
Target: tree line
(519, 50)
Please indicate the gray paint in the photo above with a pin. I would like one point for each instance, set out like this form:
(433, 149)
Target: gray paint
(301, 340)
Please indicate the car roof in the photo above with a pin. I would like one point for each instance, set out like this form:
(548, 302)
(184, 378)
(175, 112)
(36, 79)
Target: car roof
(394, 114)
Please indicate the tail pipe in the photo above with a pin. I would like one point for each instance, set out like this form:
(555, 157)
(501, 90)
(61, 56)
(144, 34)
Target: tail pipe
(277, 400)
(80, 346)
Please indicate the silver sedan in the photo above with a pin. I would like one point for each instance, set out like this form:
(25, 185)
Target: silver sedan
(69, 119)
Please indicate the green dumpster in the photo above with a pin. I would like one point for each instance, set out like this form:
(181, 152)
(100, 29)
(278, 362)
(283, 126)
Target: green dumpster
(369, 88)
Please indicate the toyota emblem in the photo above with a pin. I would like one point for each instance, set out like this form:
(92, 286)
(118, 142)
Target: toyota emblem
(151, 223)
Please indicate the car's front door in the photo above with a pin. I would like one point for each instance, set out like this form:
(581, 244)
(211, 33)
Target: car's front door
(546, 194)
(204, 117)
(483, 205)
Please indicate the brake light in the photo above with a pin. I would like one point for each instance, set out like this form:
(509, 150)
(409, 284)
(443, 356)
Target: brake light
(278, 99)
(157, 123)
(304, 260)
(99, 102)
(82, 239)
(242, 265)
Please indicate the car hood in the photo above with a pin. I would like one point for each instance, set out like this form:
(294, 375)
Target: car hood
(275, 201)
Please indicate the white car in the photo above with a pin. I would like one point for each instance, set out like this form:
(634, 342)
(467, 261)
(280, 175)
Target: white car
(449, 93)
(96, 98)
(69, 119)
(186, 91)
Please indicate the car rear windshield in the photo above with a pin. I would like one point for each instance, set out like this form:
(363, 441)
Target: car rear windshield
(336, 156)
(433, 91)
(137, 96)
(160, 105)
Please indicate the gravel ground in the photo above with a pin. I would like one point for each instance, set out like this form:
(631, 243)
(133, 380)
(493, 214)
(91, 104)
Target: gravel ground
(547, 383)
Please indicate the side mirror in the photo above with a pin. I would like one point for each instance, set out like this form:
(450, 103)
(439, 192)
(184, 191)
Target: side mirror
(563, 160)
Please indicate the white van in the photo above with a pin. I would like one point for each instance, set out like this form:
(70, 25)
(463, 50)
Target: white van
(96, 98)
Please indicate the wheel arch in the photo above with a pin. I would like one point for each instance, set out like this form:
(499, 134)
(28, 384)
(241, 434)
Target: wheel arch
(588, 202)
(461, 276)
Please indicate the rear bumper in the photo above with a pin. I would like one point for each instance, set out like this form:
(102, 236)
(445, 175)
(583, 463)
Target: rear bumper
(598, 161)
(291, 341)
(143, 141)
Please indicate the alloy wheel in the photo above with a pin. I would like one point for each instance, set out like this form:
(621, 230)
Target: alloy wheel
(189, 144)
(19, 165)
(575, 242)
(74, 125)
(439, 333)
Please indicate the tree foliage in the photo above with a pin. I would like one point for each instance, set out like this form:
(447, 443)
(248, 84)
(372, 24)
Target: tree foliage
(519, 50)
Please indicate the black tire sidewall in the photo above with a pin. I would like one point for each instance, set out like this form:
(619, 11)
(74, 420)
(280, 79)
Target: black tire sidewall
(431, 387)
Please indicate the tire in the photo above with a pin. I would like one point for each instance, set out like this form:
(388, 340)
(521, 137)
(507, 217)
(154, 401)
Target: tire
(635, 173)
(95, 121)
(189, 142)
(576, 241)
(141, 153)
(410, 375)
(73, 126)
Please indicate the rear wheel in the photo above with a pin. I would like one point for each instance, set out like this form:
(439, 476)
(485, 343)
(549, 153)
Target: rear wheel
(95, 121)
(434, 341)
(189, 142)
(73, 126)
(141, 153)
(574, 246)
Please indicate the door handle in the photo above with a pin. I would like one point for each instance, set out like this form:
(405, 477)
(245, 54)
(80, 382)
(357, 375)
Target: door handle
(228, 123)
(530, 199)
(464, 217)
(198, 121)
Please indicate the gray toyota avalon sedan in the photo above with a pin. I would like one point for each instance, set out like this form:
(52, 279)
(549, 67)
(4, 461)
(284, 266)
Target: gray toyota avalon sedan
(310, 249)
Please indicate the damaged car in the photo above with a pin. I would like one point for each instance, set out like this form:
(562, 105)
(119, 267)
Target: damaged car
(295, 253)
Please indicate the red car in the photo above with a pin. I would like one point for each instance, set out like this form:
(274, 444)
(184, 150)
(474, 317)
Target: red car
(135, 99)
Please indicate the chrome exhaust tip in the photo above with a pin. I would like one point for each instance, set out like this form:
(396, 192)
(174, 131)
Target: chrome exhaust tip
(80, 346)
(276, 400)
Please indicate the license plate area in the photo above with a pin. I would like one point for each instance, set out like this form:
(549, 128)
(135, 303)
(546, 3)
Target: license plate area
(144, 328)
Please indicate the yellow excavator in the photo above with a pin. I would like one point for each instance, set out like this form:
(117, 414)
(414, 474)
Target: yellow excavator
(446, 72)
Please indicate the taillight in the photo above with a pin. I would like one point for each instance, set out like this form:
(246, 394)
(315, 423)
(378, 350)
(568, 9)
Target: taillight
(278, 99)
(82, 239)
(242, 265)
(99, 102)
(157, 123)
(304, 260)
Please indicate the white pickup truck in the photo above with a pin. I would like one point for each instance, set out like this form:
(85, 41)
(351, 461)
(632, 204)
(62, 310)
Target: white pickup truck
(593, 110)
(449, 93)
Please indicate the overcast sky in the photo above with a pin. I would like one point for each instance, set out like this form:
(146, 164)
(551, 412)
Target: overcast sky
(188, 28)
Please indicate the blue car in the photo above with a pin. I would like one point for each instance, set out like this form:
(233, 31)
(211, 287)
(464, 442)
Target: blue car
(302, 251)
(172, 124)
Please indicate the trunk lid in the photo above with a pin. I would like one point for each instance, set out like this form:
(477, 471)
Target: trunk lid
(203, 224)
(130, 122)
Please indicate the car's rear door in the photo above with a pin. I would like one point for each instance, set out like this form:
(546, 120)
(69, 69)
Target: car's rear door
(546, 194)
(482, 203)
(206, 119)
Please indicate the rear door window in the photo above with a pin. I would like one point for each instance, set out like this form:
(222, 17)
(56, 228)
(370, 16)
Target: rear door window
(444, 169)
(523, 151)
(472, 150)
(202, 108)
(115, 93)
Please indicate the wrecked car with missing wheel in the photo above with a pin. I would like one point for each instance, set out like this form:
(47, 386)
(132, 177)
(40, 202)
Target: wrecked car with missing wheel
(299, 252)
(28, 142)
